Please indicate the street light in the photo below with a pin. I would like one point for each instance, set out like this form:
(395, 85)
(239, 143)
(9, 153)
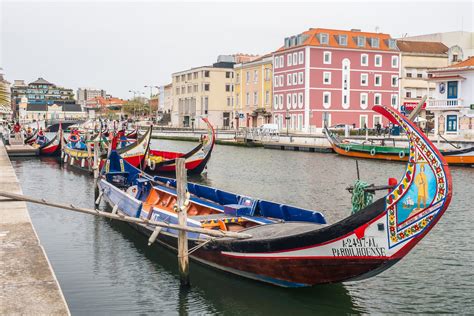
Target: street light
(151, 93)
(287, 118)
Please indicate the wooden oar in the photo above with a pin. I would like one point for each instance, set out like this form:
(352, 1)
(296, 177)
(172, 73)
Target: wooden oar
(124, 218)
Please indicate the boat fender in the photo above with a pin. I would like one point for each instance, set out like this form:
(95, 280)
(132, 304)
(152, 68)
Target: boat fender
(372, 152)
(62, 154)
(347, 149)
(65, 157)
(83, 162)
(71, 162)
(401, 154)
(151, 164)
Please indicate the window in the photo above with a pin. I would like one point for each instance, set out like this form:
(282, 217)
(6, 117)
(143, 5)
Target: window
(207, 87)
(295, 100)
(229, 102)
(282, 61)
(419, 75)
(255, 75)
(295, 79)
(377, 120)
(275, 83)
(276, 62)
(363, 100)
(409, 75)
(189, 76)
(288, 79)
(455, 57)
(228, 88)
(430, 75)
(295, 59)
(392, 44)
(183, 90)
(195, 75)
(374, 42)
(324, 38)
(361, 41)
(326, 99)
(363, 121)
(300, 100)
(195, 88)
(275, 102)
(326, 77)
(247, 77)
(394, 81)
(408, 94)
(247, 99)
(237, 77)
(378, 80)
(177, 78)
(364, 60)
(206, 73)
(300, 78)
(343, 40)
(267, 97)
(364, 79)
(301, 57)
(280, 104)
(268, 74)
(255, 98)
(327, 58)
(288, 101)
(177, 90)
(451, 123)
(300, 122)
(394, 100)
(377, 99)
(289, 60)
(394, 61)
(280, 83)
(378, 60)
(227, 74)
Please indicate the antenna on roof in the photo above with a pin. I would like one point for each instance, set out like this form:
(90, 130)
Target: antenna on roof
(377, 29)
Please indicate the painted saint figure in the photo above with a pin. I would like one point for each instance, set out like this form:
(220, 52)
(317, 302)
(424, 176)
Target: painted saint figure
(422, 185)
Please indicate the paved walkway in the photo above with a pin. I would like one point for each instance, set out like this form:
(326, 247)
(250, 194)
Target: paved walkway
(28, 285)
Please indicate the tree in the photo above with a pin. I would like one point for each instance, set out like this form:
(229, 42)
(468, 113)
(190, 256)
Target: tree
(4, 93)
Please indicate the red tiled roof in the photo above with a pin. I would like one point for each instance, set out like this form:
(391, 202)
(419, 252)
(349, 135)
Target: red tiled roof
(422, 47)
(312, 39)
(468, 62)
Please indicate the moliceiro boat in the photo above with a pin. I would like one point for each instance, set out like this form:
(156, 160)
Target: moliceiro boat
(162, 162)
(82, 158)
(382, 152)
(291, 246)
(49, 147)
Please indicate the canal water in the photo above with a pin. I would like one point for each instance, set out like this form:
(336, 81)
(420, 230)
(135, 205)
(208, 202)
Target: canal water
(105, 267)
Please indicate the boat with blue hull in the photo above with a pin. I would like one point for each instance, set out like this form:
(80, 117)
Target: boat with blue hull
(291, 246)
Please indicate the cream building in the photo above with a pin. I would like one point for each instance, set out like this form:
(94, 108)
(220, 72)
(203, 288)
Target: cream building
(205, 91)
(417, 59)
(253, 92)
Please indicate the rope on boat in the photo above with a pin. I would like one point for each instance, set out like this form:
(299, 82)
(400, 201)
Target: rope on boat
(360, 196)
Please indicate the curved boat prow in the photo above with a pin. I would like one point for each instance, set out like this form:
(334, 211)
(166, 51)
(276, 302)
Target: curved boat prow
(422, 196)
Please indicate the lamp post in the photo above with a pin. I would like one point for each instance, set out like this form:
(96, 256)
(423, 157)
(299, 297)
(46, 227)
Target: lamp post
(287, 118)
(134, 99)
(151, 94)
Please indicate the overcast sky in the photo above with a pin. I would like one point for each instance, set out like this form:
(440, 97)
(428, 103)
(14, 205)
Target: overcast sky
(122, 46)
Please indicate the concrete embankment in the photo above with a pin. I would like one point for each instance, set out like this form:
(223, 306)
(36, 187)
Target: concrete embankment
(28, 285)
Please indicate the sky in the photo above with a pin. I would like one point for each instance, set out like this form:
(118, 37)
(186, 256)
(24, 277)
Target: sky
(124, 45)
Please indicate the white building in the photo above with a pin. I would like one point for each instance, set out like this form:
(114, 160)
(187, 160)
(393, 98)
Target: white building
(453, 99)
(460, 43)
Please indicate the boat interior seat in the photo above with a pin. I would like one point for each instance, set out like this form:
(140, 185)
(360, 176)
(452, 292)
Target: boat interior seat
(118, 178)
(245, 207)
(150, 201)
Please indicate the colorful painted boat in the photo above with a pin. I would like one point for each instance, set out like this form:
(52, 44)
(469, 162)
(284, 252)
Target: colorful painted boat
(50, 147)
(290, 246)
(373, 151)
(83, 159)
(30, 139)
(163, 162)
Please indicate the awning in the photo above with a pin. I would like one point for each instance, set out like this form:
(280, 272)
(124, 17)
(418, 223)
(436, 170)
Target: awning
(444, 78)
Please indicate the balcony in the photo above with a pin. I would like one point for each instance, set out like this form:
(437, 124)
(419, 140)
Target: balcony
(445, 104)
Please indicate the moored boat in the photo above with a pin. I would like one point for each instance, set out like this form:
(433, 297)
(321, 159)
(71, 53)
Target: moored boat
(383, 152)
(291, 246)
(49, 147)
(163, 162)
(82, 158)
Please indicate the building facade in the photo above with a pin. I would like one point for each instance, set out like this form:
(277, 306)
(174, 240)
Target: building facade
(253, 92)
(40, 92)
(460, 43)
(204, 92)
(327, 77)
(84, 94)
(417, 58)
(30, 112)
(453, 99)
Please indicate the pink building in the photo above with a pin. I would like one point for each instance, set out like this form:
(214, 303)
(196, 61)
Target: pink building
(325, 76)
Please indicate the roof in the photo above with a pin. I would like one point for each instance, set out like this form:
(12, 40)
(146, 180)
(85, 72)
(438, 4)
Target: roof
(311, 37)
(446, 77)
(422, 47)
(72, 108)
(468, 64)
(41, 81)
(37, 107)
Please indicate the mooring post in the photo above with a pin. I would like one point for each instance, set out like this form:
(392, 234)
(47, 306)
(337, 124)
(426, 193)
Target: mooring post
(181, 186)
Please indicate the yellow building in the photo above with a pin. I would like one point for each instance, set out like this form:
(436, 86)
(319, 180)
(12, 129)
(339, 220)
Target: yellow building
(203, 92)
(253, 92)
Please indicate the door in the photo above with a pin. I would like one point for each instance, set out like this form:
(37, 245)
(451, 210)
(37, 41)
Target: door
(452, 89)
